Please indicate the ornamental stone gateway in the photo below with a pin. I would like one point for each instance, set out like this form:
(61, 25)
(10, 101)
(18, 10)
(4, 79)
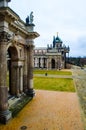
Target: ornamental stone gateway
(16, 58)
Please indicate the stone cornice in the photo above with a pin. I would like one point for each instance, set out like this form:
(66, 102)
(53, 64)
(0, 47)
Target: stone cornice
(21, 29)
(16, 23)
(6, 11)
(33, 35)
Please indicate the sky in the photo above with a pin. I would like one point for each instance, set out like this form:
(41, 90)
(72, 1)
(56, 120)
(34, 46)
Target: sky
(67, 17)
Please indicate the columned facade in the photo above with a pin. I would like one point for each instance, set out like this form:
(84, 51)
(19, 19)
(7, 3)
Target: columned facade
(40, 62)
(16, 58)
(51, 57)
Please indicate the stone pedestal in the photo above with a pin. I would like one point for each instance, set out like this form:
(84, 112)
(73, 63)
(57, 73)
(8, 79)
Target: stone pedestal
(5, 116)
(30, 92)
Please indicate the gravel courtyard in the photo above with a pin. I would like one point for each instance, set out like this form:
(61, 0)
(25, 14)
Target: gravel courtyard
(51, 110)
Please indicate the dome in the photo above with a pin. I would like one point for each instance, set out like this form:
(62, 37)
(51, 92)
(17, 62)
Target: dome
(58, 40)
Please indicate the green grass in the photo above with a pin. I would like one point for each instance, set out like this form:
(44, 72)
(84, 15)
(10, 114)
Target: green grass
(52, 72)
(55, 84)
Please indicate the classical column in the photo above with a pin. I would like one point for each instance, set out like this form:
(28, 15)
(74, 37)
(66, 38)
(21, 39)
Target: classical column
(17, 81)
(36, 62)
(5, 114)
(25, 71)
(30, 90)
(41, 62)
(47, 64)
(21, 79)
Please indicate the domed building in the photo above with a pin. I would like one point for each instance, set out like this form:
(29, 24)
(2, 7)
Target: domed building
(51, 57)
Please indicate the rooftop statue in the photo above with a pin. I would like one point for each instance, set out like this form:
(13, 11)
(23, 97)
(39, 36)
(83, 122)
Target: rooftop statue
(27, 20)
(31, 17)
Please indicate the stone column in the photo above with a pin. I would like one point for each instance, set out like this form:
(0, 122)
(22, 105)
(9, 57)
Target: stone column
(17, 81)
(41, 62)
(5, 114)
(36, 62)
(30, 90)
(21, 79)
(47, 64)
(25, 71)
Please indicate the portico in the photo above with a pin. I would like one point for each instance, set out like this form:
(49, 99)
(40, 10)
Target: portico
(16, 57)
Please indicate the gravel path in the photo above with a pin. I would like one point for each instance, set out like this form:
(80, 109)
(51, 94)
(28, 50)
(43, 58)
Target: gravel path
(55, 76)
(80, 83)
(49, 110)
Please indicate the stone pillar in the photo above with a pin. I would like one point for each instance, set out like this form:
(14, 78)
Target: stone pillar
(35, 62)
(17, 81)
(25, 71)
(47, 64)
(21, 79)
(30, 90)
(41, 62)
(5, 114)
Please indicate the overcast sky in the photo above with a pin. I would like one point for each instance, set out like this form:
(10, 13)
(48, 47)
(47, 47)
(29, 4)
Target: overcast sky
(67, 17)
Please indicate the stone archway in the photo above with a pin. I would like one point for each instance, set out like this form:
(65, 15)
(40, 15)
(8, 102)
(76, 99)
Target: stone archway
(16, 38)
(53, 63)
(14, 73)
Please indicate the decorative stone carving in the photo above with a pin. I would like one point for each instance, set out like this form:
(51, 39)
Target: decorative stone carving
(4, 37)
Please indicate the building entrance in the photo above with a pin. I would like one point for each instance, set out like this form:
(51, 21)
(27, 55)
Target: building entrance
(53, 63)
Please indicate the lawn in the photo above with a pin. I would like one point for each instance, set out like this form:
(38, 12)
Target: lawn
(50, 83)
(55, 84)
(52, 72)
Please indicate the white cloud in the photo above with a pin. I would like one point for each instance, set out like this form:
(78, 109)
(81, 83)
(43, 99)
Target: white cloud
(67, 17)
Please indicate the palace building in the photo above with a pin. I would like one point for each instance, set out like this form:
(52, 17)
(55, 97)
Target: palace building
(51, 57)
